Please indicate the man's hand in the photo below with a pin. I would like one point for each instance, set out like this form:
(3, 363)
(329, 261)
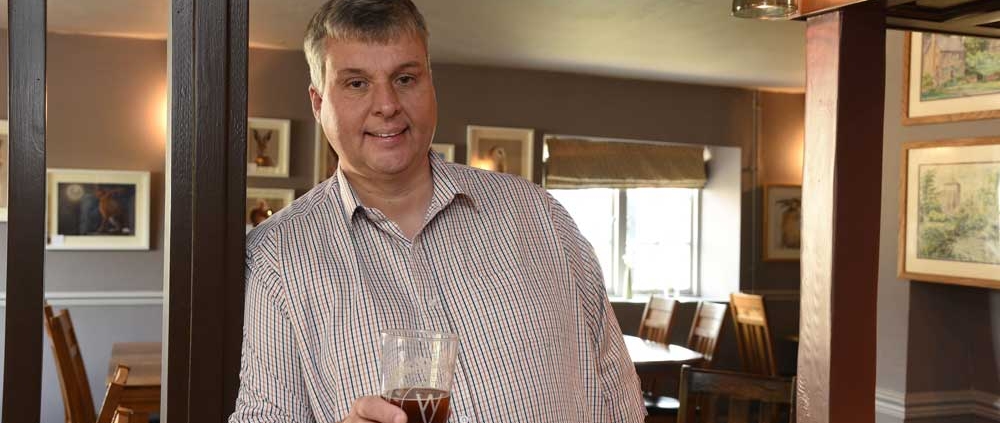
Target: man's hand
(374, 409)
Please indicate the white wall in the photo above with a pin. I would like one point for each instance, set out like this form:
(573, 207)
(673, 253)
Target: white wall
(720, 224)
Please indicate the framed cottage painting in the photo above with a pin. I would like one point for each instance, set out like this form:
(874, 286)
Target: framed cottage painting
(97, 210)
(505, 150)
(950, 78)
(267, 147)
(949, 226)
(782, 222)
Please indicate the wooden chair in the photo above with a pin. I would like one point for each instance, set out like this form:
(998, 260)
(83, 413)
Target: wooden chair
(122, 415)
(78, 402)
(109, 410)
(705, 330)
(745, 397)
(753, 335)
(704, 338)
(657, 319)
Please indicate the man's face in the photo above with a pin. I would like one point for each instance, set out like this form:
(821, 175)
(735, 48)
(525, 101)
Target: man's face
(377, 106)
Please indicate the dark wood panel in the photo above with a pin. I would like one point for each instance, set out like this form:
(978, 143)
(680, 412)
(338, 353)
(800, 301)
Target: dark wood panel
(208, 218)
(181, 187)
(209, 179)
(845, 85)
(26, 213)
(235, 242)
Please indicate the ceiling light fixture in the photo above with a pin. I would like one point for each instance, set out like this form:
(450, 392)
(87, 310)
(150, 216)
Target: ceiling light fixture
(765, 9)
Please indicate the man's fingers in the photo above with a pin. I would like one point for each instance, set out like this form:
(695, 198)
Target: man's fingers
(379, 410)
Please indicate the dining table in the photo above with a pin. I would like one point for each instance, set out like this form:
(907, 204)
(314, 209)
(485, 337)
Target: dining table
(659, 365)
(142, 388)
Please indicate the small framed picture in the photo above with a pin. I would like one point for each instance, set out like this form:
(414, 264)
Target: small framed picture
(782, 222)
(4, 168)
(948, 78)
(267, 147)
(325, 162)
(506, 150)
(949, 223)
(97, 210)
(264, 202)
(445, 151)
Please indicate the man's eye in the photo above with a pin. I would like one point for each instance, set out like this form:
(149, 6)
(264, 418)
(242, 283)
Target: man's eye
(357, 84)
(406, 80)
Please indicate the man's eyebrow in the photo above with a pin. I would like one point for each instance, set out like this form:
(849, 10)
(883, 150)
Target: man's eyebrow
(413, 64)
(350, 72)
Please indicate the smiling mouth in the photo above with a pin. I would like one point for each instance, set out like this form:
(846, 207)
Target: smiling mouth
(387, 134)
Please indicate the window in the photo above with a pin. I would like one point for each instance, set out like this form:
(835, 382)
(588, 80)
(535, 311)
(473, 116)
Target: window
(645, 238)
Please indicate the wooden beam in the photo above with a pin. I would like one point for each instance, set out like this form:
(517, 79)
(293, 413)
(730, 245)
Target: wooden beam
(845, 90)
(208, 195)
(26, 215)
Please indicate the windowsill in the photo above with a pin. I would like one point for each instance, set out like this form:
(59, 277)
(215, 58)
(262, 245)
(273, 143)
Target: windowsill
(642, 299)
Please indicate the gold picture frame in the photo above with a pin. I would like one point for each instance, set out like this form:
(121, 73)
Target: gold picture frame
(782, 222)
(948, 220)
(948, 93)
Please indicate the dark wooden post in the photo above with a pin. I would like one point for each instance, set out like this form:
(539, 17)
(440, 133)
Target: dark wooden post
(207, 197)
(842, 174)
(26, 216)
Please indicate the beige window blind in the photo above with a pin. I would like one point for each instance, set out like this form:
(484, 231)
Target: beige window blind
(579, 163)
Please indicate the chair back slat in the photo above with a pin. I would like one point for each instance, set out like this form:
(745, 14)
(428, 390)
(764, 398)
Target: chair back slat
(113, 395)
(78, 402)
(705, 329)
(657, 319)
(753, 335)
(122, 415)
(748, 397)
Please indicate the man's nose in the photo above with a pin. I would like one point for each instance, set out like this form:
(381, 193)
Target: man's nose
(386, 101)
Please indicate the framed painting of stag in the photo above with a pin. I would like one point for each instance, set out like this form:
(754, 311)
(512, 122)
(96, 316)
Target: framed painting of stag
(97, 210)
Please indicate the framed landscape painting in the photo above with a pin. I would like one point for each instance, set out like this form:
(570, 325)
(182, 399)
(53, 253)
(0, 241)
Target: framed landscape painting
(782, 222)
(949, 226)
(97, 210)
(950, 78)
(267, 147)
(505, 150)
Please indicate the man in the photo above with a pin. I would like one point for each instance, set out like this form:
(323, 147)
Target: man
(400, 239)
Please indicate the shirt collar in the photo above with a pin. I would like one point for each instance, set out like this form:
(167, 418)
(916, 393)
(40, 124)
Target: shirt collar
(449, 183)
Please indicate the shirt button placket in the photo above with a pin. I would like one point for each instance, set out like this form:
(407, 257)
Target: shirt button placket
(427, 287)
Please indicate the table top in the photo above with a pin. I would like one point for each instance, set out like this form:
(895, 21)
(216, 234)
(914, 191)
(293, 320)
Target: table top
(143, 360)
(649, 353)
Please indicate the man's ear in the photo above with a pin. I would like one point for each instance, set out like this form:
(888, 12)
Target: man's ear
(316, 100)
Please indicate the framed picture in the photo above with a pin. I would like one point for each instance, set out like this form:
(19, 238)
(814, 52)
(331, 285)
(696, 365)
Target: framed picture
(949, 222)
(97, 210)
(325, 161)
(445, 151)
(782, 222)
(267, 147)
(263, 202)
(949, 78)
(4, 168)
(506, 150)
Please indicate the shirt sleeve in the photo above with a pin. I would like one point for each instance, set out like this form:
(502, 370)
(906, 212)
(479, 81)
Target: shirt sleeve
(272, 389)
(619, 384)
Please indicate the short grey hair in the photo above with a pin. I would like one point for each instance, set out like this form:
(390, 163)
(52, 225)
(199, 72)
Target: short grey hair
(369, 21)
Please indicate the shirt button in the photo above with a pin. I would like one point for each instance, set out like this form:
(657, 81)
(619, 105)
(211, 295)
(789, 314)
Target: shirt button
(432, 302)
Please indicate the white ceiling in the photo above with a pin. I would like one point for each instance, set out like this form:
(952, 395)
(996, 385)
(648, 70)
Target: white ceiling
(692, 41)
